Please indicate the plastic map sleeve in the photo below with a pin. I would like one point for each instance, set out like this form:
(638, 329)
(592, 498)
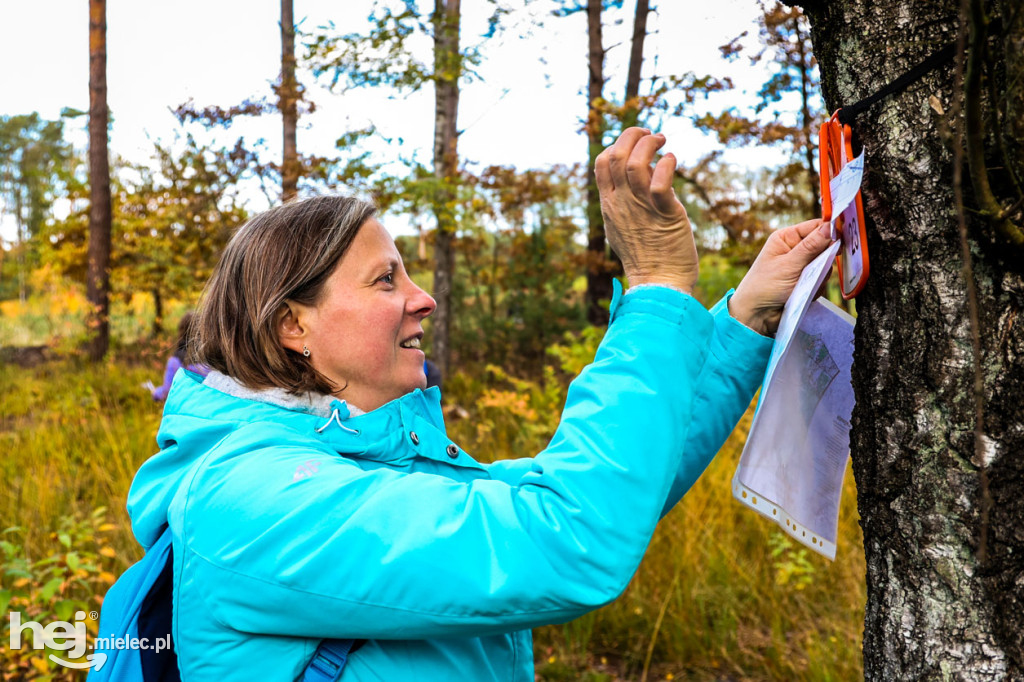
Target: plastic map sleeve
(794, 460)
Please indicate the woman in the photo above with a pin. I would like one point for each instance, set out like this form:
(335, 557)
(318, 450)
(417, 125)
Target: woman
(311, 490)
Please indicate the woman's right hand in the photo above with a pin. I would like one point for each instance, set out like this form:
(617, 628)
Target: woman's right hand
(644, 220)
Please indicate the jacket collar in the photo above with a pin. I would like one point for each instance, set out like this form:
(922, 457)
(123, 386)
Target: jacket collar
(310, 403)
(384, 434)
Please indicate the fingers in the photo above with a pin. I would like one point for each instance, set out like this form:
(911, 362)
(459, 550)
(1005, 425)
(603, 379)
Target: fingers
(627, 163)
(618, 154)
(638, 166)
(603, 174)
(817, 240)
(662, 193)
(806, 227)
(792, 236)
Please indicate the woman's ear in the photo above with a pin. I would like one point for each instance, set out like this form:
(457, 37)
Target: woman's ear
(289, 323)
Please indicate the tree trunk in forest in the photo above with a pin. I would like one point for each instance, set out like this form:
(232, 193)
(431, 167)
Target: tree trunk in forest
(636, 64)
(158, 313)
(98, 276)
(599, 278)
(810, 141)
(19, 225)
(288, 98)
(939, 490)
(447, 71)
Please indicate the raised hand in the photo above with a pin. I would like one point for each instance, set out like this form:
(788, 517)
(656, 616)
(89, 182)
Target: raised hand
(644, 220)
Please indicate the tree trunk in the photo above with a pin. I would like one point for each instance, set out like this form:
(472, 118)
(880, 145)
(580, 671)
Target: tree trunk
(939, 490)
(288, 99)
(599, 278)
(636, 63)
(98, 277)
(158, 313)
(19, 224)
(447, 70)
(806, 120)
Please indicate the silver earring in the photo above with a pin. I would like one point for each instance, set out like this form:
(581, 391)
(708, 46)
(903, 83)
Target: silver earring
(305, 351)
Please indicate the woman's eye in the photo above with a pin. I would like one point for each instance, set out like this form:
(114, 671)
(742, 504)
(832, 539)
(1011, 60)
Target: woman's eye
(388, 278)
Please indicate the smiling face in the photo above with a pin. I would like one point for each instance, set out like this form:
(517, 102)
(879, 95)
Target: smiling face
(364, 334)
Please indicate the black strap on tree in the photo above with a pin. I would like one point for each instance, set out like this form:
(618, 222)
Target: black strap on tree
(848, 113)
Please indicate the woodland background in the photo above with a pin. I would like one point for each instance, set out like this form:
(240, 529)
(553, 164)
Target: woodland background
(515, 258)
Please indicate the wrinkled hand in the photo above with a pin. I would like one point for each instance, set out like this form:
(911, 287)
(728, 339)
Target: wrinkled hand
(761, 296)
(645, 223)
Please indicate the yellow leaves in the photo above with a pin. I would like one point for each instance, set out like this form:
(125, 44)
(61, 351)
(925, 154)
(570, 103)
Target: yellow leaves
(12, 308)
(140, 303)
(516, 403)
(52, 298)
(108, 552)
(66, 300)
(107, 577)
(40, 664)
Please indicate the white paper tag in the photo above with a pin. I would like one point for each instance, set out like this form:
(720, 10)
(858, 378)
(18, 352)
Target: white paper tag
(844, 187)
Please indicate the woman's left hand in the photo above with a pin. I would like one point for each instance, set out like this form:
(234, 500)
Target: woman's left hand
(761, 296)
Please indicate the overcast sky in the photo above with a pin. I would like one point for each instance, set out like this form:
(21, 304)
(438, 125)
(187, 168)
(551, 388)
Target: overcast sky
(526, 110)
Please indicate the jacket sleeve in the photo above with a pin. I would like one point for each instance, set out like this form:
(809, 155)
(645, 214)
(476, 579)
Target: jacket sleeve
(737, 359)
(391, 555)
(731, 375)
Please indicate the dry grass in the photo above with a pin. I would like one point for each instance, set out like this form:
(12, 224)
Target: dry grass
(710, 601)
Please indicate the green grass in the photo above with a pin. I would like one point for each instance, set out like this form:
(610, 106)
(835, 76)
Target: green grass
(709, 602)
(72, 437)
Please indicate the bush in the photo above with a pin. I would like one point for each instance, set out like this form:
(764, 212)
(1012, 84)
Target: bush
(77, 569)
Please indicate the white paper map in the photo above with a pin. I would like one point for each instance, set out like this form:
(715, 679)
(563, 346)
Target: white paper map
(794, 461)
(810, 281)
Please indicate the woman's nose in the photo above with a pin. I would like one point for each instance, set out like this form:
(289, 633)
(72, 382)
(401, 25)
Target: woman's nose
(421, 303)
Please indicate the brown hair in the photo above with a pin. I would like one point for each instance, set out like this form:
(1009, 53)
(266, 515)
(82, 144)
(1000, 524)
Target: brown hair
(184, 336)
(286, 253)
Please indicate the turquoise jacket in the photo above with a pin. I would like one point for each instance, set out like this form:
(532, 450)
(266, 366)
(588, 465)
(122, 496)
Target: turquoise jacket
(290, 525)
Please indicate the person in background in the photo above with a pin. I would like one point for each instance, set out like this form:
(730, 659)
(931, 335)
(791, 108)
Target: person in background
(433, 373)
(177, 361)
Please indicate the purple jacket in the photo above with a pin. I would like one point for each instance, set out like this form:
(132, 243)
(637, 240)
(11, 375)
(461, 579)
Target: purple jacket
(173, 365)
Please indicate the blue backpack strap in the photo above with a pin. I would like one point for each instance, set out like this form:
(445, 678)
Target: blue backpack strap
(328, 661)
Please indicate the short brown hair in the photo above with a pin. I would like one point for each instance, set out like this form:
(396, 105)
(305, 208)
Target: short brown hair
(286, 253)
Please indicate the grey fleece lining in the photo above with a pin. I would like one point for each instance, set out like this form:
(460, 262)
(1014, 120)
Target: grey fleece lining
(310, 403)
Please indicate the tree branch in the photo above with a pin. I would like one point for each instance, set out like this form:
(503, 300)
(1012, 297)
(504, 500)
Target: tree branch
(968, 269)
(975, 132)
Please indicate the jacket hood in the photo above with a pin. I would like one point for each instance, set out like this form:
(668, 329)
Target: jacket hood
(200, 414)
